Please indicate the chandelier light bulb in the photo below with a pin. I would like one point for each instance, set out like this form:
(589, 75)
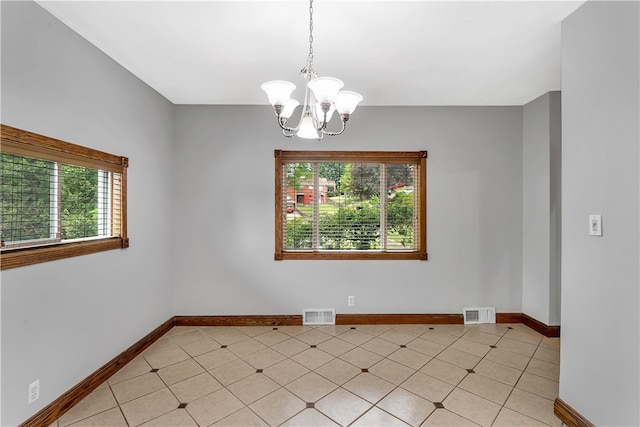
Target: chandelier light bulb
(308, 129)
(325, 89)
(278, 91)
(346, 101)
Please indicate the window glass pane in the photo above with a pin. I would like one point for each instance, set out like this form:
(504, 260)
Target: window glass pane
(298, 196)
(25, 198)
(79, 203)
(401, 218)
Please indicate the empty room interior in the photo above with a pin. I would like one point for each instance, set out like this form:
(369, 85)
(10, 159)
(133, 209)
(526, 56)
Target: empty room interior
(489, 276)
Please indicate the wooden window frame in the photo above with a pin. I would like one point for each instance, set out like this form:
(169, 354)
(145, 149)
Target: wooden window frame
(417, 157)
(28, 144)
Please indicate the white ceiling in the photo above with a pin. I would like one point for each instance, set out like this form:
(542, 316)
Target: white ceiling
(392, 52)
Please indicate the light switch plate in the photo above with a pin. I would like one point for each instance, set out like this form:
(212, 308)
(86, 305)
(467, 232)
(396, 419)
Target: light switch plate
(595, 225)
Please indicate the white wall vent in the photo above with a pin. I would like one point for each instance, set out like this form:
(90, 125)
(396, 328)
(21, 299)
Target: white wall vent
(475, 315)
(319, 316)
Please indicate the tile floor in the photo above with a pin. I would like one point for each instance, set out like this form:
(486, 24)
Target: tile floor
(369, 375)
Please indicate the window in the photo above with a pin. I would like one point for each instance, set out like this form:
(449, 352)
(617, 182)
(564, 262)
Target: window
(58, 200)
(350, 205)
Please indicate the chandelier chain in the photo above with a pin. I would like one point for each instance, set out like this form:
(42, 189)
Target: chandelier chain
(310, 33)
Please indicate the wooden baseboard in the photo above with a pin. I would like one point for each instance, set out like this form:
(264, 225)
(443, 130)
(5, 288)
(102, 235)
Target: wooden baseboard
(536, 325)
(276, 320)
(58, 407)
(568, 415)
(50, 413)
(398, 319)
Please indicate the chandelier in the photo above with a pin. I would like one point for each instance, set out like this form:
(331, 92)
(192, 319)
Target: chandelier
(322, 97)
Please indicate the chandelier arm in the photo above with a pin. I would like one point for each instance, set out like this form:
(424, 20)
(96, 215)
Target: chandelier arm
(344, 125)
(282, 122)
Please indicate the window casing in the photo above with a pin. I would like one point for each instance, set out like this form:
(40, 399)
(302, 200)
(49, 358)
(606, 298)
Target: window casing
(58, 200)
(350, 205)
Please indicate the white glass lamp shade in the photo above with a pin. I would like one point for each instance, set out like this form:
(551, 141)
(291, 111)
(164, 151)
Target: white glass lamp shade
(346, 102)
(307, 129)
(325, 89)
(287, 111)
(278, 91)
(320, 115)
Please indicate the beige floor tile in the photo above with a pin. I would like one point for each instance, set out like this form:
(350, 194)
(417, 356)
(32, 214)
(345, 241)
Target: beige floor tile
(313, 337)
(112, 418)
(334, 330)
(498, 372)
(180, 371)
(195, 387)
(338, 371)
(245, 417)
(374, 330)
(508, 358)
(472, 407)
(411, 358)
(264, 358)
(413, 329)
(290, 347)
(516, 346)
(309, 418)
(379, 346)
(215, 358)
(427, 387)
(510, 418)
(159, 358)
(246, 347)
(342, 406)
(232, 372)
(202, 346)
(148, 407)
(480, 337)
(471, 347)
(547, 354)
(96, 402)
(407, 406)
(533, 406)
(552, 343)
(458, 358)
(214, 407)
(369, 387)
(397, 337)
(187, 337)
(361, 358)
(439, 338)
(489, 389)
(544, 369)
(272, 337)
(530, 336)
(444, 418)
(492, 328)
(540, 386)
(278, 406)
(175, 418)
(311, 387)
(427, 347)
(391, 371)
(312, 358)
(225, 335)
(375, 417)
(136, 367)
(136, 387)
(444, 371)
(253, 388)
(336, 346)
(294, 331)
(355, 337)
(456, 330)
(286, 371)
(176, 330)
(254, 331)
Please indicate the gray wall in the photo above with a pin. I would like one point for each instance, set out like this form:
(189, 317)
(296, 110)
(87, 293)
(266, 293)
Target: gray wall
(599, 368)
(62, 320)
(541, 163)
(223, 240)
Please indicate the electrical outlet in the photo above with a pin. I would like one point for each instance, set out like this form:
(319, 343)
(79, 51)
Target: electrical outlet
(34, 391)
(351, 301)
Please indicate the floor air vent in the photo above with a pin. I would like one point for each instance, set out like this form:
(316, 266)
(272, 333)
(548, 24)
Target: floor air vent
(477, 315)
(319, 316)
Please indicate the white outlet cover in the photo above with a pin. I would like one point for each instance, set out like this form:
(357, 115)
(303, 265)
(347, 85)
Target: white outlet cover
(34, 391)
